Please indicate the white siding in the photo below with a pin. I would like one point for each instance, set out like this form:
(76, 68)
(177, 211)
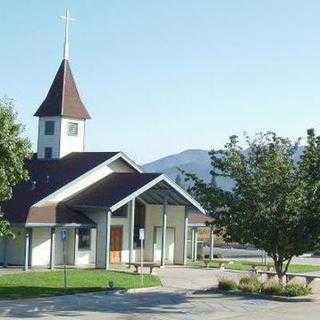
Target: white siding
(16, 247)
(100, 218)
(175, 219)
(49, 141)
(69, 247)
(60, 142)
(71, 143)
(41, 244)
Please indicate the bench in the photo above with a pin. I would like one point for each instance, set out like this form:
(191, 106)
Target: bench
(290, 276)
(150, 265)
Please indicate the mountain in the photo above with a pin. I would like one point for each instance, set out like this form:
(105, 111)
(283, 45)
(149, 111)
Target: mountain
(194, 161)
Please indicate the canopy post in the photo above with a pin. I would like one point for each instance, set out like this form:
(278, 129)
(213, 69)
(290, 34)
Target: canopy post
(164, 232)
(195, 244)
(108, 239)
(211, 242)
(52, 247)
(131, 213)
(185, 247)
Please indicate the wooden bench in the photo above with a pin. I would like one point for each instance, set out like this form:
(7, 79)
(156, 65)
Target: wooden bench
(150, 265)
(290, 276)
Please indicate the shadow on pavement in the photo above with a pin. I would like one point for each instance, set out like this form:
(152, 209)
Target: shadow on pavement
(158, 302)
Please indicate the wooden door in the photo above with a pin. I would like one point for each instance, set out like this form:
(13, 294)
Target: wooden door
(115, 244)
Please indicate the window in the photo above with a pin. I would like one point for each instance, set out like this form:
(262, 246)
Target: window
(84, 239)
(49, 128)
(139, 218)
(47, 153)
(72, 129)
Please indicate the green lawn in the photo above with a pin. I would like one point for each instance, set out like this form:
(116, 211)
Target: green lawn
(246, 265)
(37, 284)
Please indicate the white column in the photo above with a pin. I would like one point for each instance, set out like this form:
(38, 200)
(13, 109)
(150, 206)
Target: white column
(76, 245)
(52, 247)
(185, 248)
(131, 213)
(26, 250)
(101, 241)
(192, 244)
(195, 242)
(164, 232)
(211, 243)
(108, 239)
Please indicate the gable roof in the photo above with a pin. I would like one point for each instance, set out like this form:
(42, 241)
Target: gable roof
(49, 176)
(117, 189)
(63, 98)
(111, 189)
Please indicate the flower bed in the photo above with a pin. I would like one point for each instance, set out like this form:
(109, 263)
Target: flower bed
(252, 284)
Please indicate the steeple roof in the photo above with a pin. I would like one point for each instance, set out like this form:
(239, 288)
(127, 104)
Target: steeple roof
(63, 98)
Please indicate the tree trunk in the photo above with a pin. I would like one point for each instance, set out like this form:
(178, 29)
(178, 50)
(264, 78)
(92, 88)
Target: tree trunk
(278, 265)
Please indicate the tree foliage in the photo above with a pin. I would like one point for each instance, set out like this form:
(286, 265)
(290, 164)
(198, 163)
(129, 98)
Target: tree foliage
(14, 149)
(275, 201)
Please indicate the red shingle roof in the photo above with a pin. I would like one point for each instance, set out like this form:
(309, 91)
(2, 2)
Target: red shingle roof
(63, 97)
(49, 176)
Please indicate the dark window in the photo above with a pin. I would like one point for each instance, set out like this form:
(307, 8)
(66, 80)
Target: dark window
(84, 239)
(48, 153)
(72, 129)
(49, 128)
(139, 219)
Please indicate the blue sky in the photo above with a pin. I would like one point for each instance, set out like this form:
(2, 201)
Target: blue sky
(159, 77)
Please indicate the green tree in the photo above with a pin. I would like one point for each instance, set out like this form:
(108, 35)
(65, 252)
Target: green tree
(275, 201)
(14, 150)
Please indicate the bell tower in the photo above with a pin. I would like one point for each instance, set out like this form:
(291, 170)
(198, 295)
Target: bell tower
(62, 115)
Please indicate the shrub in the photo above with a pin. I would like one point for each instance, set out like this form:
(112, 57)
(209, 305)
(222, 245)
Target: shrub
(250, 284)
(295, 290)
(289, 290)
(110, 284)
(217, 255)
(227, 284)
(272, 289)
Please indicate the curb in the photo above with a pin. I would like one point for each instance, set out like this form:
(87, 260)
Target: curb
(147, 289)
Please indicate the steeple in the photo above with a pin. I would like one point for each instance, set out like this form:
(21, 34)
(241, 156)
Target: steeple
(62, 114)
(63, 98)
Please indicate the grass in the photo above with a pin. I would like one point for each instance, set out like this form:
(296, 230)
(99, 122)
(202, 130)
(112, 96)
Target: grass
(49, 283)
(246, 265)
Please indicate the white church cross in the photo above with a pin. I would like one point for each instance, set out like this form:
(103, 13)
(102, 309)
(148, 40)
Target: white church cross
(66, 18)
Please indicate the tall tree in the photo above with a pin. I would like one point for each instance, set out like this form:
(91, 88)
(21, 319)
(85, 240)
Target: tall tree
(275, 200)
(14, 150)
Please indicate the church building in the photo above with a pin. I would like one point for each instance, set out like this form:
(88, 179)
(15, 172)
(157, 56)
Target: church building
(86, 208)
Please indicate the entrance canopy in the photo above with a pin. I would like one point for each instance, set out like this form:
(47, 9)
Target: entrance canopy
(117, 189)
